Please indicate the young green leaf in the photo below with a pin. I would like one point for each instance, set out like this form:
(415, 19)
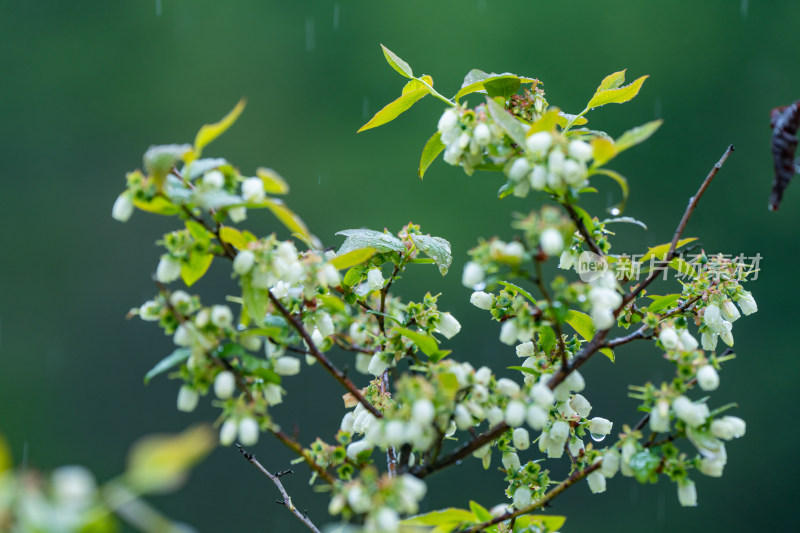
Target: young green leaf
(209, 132)
(506, 120)
(637, 135)
(199, 233)
(287, 217)
(583, 326)
(273, 182)
(436, 248)
(662, 302)
(444, 516)
(234, 237)
(480, 512)
(396, 63)
(603, 150)
(178, 356)
(547, 122)
(430, 152)
(661, 250)
(503, 85)
(255, 300)
(621, 181)
(617, 95)
(196, 267)
(612, 81)
(417, 83)
(547, 339)
(158, 205)
(367, 238)
(518, 289)
(425, 343)
(394, 109)
(354, 257)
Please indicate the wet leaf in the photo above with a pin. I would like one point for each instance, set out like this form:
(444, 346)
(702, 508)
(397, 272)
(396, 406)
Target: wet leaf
(352, 258)
(175, 358)
(430, 152)
(396, 63)
(367, 238)
(784, 122)
(617, 95)
(506, 120)
(436, 248)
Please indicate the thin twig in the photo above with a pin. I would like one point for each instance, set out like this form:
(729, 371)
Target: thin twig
(461, 452)
(275, 478)
(582, 229)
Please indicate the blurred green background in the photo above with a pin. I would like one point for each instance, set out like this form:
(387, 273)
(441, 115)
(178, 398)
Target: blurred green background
(88, 86)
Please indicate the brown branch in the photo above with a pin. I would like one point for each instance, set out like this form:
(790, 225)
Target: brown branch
(582, 229)
(541, 502)
(461, 452)
(276, 479)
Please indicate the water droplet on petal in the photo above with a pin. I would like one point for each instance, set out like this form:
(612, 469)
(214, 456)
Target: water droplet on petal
(597, 437)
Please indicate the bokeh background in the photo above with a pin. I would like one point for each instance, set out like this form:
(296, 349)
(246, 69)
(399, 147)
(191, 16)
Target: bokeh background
(88, 86)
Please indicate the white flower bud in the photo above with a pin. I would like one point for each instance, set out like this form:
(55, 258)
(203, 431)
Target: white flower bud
(273, 394)
(687, 340)
(483, 376)
(250, 342)
(581, 405)
(610, 464)
(214, 179)
(559, 432)
(561, 393)
(448, 325)
(551, 241)
(243, 262)
(597, 482)
(574, 173)
(747, 303)
(386, 520)
(707, 378)
(693, 414)
(359, 501)
(538, 177)
(482, 300)
(659, 417)
(287, 366)
(539, 142)
(221, 316)
(544, 441)
(336, 504)
(566, 410)
(448, 121)
(150, 311)
(603, 318)
(542, 395)
(375, 279)
(555, 449)
(423, 411)
(495, 415)
(575, 446)
(72, 486)
(555, 161)
(669, 338)
(511, 462)
(580, 150)
(180, 299)
(709, 340)
(347, 422)
(248, 431)
(224, 385)
(253, 190)
(237, 214)
(600, 426)
(168, 270)
(377, 365)
(482, 134)
(184, 334)
(509, 332)
(536, 417)
(525, 349)
(227, 433)
(123, 208)
(414, 486)
(519, 168)
(507, 387)
(687, 493)
(354, 449)
(473, 275)
(575, 381)
(328, 276)
(729, 311)
(712, 316)
(711, 467)
(739, 425)
(728, 427)
(363, 361)
(515, 413)
(462, 417)
(521, 439)
(394, 432)
(725, 334)
(566, 261)
(482, 452)
(522, 497)
(187, 399)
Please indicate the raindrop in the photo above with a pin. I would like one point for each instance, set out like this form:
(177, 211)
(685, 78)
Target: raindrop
(335, 16)
(614, 211)
(158, 8)
(597, 437)
(310, 45)
(745, 6)
(458, 463)
(365, 107)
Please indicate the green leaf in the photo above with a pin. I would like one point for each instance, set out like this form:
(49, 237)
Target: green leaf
(506, 120)
(583, 326)
(624, 220)
(430, 152)
(196, 267)
(662, 302)
(683, 267)
(157, 205)
(353, 276)
(443, 516)
(354, 257)
(566, 118)
(480, 512)
(518, 289)
(551, 523)
(637, 135)
(617, 95)
(233, 236)
(436, 248)
(159, 160)
(209, 132)
(523, 369)
(503, 85)
(612, 81)
(660, 251)
(287, 217)
(547, 339)
(417, 83)
(255, 300)
(603, 150)
(425, 343)
(273, 182)
(367, 238)
(267, 375)
(547, 122)
(621, 181)
(198, 232)
(396, 63)
(394, 109)
(178, 356)
(644, 465)
(585, 218)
